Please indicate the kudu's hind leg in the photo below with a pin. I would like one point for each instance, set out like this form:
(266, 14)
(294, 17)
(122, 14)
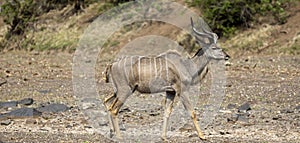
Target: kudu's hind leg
(187, 105)
(168, 110)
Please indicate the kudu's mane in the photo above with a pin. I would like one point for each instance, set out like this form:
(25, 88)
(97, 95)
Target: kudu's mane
(200, 52)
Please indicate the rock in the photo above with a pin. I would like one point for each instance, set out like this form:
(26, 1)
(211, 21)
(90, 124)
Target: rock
(6, 122)
(233, 118)
(242, 119)
(44, 91)
(186, 128)
(47, 116)
(23, 112)
(53, 108)
(244, 107)
(227, 63)
(297, 107)
(69, 126)
(231, 106)
(26, 101)
(31, 121)
(193, 135)
(88, 127)
(8, 104)
(212, 132)
(126, 109)
(103, 123)
(222, 132)
(225, 111)
(276, 117)
(88, 105)
(46, 129)
(286, 111)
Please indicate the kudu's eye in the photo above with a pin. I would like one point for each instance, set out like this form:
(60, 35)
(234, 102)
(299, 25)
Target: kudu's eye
(214, 47)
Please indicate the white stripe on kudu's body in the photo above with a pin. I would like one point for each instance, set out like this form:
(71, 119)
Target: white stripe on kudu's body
(155, 69)
(179, 73)
(167, 70)
(160, 68)
(139, 66)
(150, 68)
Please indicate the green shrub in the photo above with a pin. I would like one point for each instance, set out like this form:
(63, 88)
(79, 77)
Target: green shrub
(18, 15)
(226, 16)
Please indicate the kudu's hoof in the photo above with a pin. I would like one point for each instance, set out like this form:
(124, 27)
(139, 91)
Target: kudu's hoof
(164, 139)
(202, 137)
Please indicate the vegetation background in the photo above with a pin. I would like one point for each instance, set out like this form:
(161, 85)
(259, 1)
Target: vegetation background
(61, 22)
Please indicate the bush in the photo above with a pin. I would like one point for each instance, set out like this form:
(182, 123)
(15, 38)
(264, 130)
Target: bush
(21, 15)
(18, 15)
(226, 16)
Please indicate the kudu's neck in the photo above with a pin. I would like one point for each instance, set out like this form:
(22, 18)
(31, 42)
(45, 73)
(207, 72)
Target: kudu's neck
(200, 61)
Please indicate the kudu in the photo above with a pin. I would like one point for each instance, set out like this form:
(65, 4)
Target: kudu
(168, 72)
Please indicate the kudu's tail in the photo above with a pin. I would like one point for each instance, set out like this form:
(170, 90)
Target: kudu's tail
(107, 73)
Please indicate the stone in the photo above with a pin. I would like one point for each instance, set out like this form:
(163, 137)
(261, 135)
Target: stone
(276, 117)
(286, 111)
(23, 112)
(8, 104)
(26, 101)
(88, 127)
(212, 132)
(45, 129)
(244, 107)
(53, 108)
(186, 128)
(44, 91)
(222, 132)
(31, 121)
(193, 135)
(69, 126)
(233, 118)
(242, 119)
(231, 106)
(6, 122)
(227, 63)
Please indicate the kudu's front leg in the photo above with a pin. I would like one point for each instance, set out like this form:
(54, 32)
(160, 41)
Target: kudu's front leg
(187, 105)
(168, 110)
(113, 105)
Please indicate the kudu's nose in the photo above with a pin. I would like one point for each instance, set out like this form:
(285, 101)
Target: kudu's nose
(227, 57)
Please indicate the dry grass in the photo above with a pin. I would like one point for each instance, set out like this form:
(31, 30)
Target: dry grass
(249, 41)
(56, 31)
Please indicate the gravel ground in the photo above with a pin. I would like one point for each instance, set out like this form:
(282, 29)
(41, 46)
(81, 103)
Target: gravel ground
(266, 86)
